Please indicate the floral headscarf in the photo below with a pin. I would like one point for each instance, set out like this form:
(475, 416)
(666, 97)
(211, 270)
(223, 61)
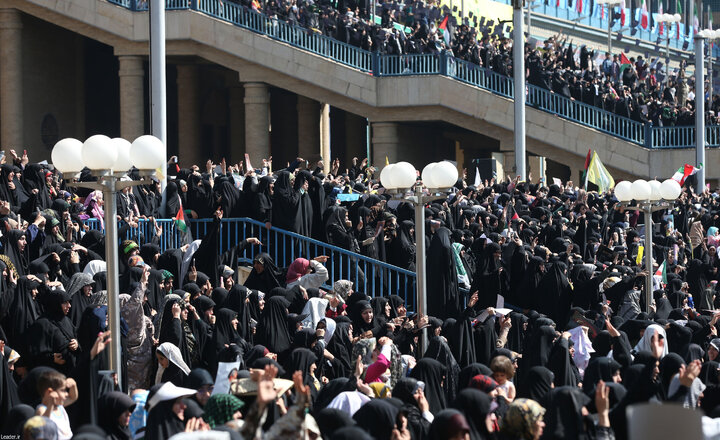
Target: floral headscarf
(520, 419)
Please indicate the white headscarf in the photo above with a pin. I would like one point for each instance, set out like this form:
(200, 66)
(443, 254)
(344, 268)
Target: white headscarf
(187, 258)
(315, 311)
(170, 351)
(644, 342)
(349, 402)
(94, 267)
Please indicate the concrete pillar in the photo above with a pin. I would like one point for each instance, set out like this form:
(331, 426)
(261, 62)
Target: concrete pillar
(325, 136)
(536, 167)
(385, 143)
(132, 104)
(308, 111)
(11, 76)
(237, 125)
(190, 149)
(257, 121)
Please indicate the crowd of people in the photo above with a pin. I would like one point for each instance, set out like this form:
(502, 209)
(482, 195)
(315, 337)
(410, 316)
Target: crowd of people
(629, 87)
(552, 341)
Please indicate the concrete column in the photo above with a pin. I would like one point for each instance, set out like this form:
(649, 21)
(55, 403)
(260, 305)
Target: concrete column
(309, 122)
(189, 145)
(132, 108)
(237, 124)
(257, 121)
(11, 76)
(325, 136)
(385, 143)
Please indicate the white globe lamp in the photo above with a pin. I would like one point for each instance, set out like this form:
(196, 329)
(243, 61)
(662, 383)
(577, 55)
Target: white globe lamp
(655, 190)
(641, 190)
(445, 174)
(123, 162)
(99, 153)
(67, 156)
(404, 175)
(623, 191)
(386, 177)
(670, 189)
(428, 174)
(147, 153)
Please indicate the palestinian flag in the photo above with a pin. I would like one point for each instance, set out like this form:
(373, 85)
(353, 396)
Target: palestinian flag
(683, 173)
(624, 63)
(443, 26)
(587, 164)
(182, 227)
(180, 220)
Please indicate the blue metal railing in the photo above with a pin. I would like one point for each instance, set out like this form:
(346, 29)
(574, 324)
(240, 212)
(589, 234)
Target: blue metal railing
(439, 64)
(370, 276)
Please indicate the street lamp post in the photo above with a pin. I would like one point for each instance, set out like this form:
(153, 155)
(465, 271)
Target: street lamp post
(610, 4)
(668, 19)
(700, 37)
(519, 86)
(651, 196)
(401, 180)
(109, 160)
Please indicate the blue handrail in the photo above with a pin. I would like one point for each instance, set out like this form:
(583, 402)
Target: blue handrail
(440, 64)
(370, 276)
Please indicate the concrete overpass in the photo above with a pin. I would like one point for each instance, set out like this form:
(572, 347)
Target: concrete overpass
(393, 105)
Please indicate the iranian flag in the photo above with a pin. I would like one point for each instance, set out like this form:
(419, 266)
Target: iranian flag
(622, 13)
(684, 172)
(644, 19)
(579, 6)
(660, 277)
(678, 9)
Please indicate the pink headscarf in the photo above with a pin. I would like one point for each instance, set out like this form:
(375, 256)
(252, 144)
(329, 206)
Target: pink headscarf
(297, 269)
(95, 208)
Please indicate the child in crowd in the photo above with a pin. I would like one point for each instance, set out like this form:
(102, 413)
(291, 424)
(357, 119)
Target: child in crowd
(503, 371)
(56, 392)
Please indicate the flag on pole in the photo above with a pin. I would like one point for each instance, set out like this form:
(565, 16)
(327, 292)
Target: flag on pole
(683, 173)
(622, 13)
(443, 26)
(182, 227)
(624, 63)
(661, 30)
(644, 19)
(587, 164)
(599, 175)
(641, 251)
(678, 10)
(661, 274)
(579, 6)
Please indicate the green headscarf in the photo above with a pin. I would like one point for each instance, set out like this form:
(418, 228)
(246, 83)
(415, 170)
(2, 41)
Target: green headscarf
(220, 409)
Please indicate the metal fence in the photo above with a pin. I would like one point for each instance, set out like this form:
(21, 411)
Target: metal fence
(370, 276)
(439, 64)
